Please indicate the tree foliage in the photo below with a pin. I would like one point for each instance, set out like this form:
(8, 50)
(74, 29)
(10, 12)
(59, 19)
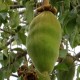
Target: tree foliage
(15, 17)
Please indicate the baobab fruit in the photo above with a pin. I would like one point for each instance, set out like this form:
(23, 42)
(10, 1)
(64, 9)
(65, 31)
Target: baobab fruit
(43, 41)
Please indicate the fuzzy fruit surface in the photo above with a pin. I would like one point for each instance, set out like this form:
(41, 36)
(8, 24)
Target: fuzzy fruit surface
(43, 41)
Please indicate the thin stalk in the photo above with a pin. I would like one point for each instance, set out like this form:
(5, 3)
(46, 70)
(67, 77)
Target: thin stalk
(45, 2)
(43, 76)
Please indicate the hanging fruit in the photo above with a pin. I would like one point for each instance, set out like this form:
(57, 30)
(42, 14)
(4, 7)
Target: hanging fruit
(43, 41)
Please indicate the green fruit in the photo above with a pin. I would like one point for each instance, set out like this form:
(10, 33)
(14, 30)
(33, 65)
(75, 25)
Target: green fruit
(43, 41)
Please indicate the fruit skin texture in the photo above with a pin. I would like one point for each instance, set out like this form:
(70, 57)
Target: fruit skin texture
(43, 41)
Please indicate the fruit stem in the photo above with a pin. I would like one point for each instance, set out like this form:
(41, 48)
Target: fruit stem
(46, 2)
(43, 76)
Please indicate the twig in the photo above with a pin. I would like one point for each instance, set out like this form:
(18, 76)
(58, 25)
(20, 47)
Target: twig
(10, 41)
(16, 6)
(75, 58)
(77, 55)
(14, 75)
(71, 51)
(46, 2)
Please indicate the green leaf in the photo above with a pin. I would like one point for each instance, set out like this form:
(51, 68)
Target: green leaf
(1, 56)
(24, 1)
(22, 36)
(11, 57)
(67, 4)
(5, 62)
(70, 26)
(16, 65)
(63, 18)
(72, 40)
(29, 11)
(78, 20)
(9, 2)
(5, 52)
(3, 5)
(17, 40)
(75, 37)
(62, 53)
(1, 75)
(69, 22)
(62, 66)
(54, 2)
(14, 19)
(7, 72)
(3, 17)
(67, 73)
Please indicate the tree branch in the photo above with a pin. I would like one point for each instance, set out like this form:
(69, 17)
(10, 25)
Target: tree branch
(16, 6)
(14, 75)
(9, 42)
(77, 55)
